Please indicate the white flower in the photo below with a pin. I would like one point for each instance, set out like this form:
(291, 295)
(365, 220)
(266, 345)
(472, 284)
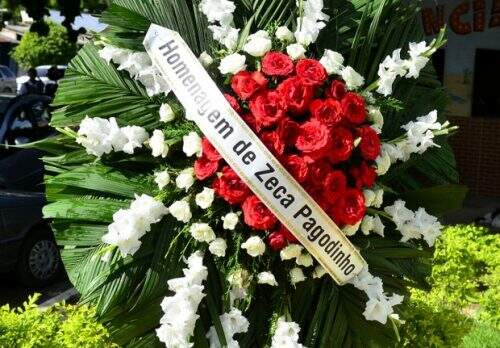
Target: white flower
(111, 53)
(383, 162)
(308, 30)
(296, 51)
(205, 59)
(107, 256)
(135, 63)
(181, 211)
(230, 221)
(226, 35)
(332, 61)
(296, 275)
(369, 197)
(258, 44)
(93, 134)
(372, 223)
(166, 113)
(291, 251)
(286, 335)
(217, 10)
(135, 137)
(375, 116)
(202, 232)
(162, 179)
(218, 247)
(392, 67)
(266, 278)
(379, 198)
(232, 323)
(154, 82)
(185, 179)
(205, 198)
(380, 309)
(352, 79)
(399, 213)
(232, 64)
(157, 144)
(417, 61)
(254, 246)
(350, 230)
(284, 34)
(319, 272)
(305, 260)
(239, 280)
(429, 226)
(192, 144)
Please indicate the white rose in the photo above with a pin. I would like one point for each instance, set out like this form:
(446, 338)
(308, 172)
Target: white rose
(383, 162)
(202, 232)
(305, 260)
(205, 59)
(292, 251)
(284, 34)
(266, 278)
(205, 198)
(332, 61)
(158, 145)
(319, 271)
(232, 64)
(218, 247)
(296, 51)
(350, 230)
(254, 246)
(192, 144)
(296, 275)
(230, 221)
(162, 179)
(166, 113)
(352, 79)
(258, 44)
(181, 211)
(185, 179)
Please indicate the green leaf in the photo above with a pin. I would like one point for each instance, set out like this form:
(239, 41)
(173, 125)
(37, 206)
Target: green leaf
(438, 199)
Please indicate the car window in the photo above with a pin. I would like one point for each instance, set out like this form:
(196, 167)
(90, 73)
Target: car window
(42, 72)
(6, 72)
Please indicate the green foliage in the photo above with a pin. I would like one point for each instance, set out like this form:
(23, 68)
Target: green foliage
(58, 327)
(482, 336)
(55, 48)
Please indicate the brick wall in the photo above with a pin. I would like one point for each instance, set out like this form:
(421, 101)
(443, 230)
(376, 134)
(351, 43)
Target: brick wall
(477, 151)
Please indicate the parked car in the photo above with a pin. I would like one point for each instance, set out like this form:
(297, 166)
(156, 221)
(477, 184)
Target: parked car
(42, 71)
(27, 245)
(8, 83)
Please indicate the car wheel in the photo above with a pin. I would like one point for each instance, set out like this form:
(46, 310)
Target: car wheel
(39, 263)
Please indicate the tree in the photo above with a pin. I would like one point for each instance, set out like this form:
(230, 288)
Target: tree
(54, 48)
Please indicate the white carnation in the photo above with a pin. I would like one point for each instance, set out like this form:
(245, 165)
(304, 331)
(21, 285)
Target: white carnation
(202, 232)
(162, 179)
(296, 51)
(185, 179)
(218, 247)
(232, 64)
(166, 113)
(205, 198)
(192, 144)
(291, 251)
(181, 211)
(296, 275)
(305, 260)
(230, 221)
(266, 278)
(332, 61)
(254, 246)
(284, 34)
(350, 230)
(205, 59)
(319, 272)
(157, 144)
(352, 79)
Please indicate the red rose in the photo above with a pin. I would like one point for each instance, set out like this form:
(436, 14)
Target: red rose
(267, 109)
(296, 95)
(260, 79)
(288, 131)
(363, 175)
(327, 111)
(288, 235)
(277, 64)
(297, 167)
(245, 84)
(230, 187)
(311, 71)
(250, 121)
(342, 144)
(353, 107)
(273, 142)
(350, 208)
(256, 214)
(337, 90)
(314, 140)
(233, 102)
(319, 170)
(277, 241)
(209, 150)
(370, 143)
(335, 182)
(204, 168)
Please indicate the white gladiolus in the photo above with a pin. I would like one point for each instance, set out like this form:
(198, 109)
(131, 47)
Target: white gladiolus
(266, 278)
(230, 221)
(205, 198)
(332, 61)
(205, 59)
(114, 54)
(218, 247)
(217, 10)
(417, 61)
(179, 319)
(232, 323)
(284, 34)
(166, 113)
(296, 51)
(157, 144)
(232, 64)
(372, 223)
(239, 280)
(254, 246)
(352, 79)
(181, 211)
(311, 22)
(202, 232)
(135, 137)
(162, 179)
(129, 225)
(185, 179)
(258, 44)
(226, 35)
(296, 275)
(286, 335)
(192, 144)
(291, 251)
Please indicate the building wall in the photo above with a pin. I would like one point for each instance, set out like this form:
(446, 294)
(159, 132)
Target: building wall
(472, 25)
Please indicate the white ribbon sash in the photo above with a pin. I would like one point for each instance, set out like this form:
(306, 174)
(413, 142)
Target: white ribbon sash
(248, 157)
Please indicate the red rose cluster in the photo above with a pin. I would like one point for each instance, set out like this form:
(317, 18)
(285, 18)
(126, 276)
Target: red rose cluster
(315, 128)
